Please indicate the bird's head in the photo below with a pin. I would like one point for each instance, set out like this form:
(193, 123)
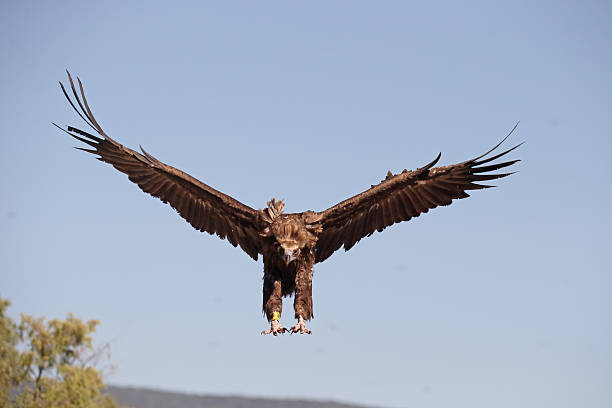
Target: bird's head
(292, 233)
(290, 249)
(290, 237)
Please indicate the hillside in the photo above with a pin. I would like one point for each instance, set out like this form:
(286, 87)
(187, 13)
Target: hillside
(147, 398)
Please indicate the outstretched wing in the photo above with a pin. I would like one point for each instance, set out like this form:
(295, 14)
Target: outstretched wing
(205, 208)
(401, 197)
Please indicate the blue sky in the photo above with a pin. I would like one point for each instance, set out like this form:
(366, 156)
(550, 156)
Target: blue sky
(498, 300)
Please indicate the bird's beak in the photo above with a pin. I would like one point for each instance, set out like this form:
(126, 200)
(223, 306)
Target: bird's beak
(289, 257)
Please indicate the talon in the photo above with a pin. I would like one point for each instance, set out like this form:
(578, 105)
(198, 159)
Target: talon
(300, 327)
(275, 329)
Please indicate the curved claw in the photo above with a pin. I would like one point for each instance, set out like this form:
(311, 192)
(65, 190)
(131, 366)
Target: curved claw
(295, 329)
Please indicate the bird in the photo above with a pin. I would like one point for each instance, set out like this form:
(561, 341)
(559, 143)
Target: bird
(290, 243)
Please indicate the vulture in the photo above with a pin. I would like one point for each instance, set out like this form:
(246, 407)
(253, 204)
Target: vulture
(290, 243)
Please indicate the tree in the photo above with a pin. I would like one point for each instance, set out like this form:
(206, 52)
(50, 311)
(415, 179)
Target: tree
(49, 364)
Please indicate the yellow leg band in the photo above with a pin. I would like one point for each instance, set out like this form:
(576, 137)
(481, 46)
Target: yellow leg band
(275, 316)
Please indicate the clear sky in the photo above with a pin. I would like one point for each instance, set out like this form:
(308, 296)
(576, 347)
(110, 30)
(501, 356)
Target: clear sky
(500, 300)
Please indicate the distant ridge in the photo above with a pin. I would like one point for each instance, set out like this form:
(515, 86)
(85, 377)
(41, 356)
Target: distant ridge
(149, 398)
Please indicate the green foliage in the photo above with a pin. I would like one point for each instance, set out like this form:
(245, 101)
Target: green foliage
(48, 364)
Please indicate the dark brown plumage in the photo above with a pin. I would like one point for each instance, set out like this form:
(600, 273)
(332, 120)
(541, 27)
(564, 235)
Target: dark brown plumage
(290, 243)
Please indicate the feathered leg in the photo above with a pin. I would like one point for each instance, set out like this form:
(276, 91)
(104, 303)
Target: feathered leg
(302, 304)
(272, 301)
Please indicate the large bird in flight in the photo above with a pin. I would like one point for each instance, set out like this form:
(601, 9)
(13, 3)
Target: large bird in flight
(290, 243)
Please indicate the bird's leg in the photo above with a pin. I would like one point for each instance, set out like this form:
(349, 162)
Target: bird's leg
(302, 304)
(273, 304)
(300, 327)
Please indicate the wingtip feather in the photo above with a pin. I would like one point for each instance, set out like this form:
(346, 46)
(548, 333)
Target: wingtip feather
(92, 151)
(498, 144)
